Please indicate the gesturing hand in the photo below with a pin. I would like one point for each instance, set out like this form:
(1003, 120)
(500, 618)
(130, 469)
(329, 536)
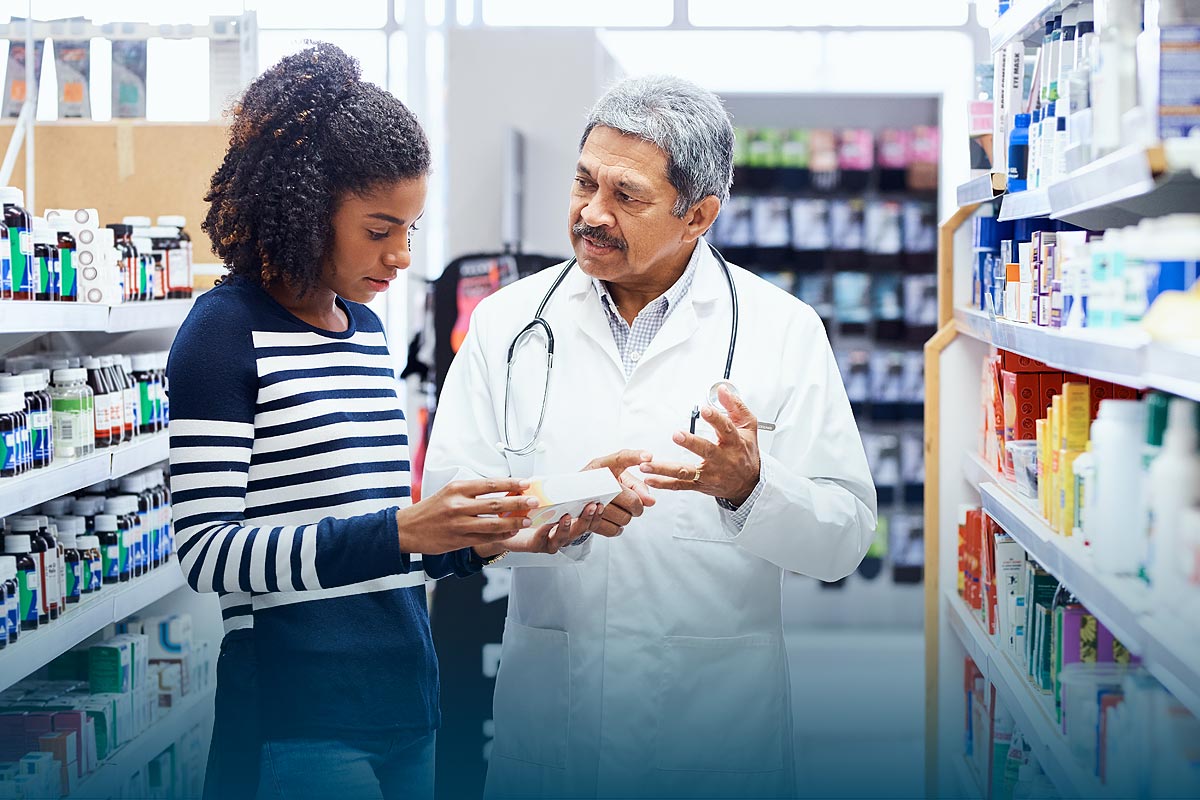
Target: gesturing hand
(456, 516)
(634, 497)
(729, 468)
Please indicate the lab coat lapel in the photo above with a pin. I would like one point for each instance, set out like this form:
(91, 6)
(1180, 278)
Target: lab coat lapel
(588, 315)
(697, 304)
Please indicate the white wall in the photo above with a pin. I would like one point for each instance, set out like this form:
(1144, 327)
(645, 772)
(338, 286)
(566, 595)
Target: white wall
(541, 82)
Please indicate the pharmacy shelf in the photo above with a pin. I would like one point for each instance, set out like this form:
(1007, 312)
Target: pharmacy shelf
(1033, 714)
(67, 476)
(1126, 356)
(45, 317)
(1024, 21)
(37, 648)
(219, 28)
(1120, 189)
(17, 316)
(983, 189)
(1025, 205)
(1124, 604)
(155, 315)
(968, 781)
(112, 775)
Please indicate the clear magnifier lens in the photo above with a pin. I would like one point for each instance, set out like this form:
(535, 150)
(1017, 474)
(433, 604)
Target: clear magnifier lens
(714, 400)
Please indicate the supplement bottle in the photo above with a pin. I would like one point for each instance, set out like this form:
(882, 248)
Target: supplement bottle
(40, 407)
(164, 390)
(45, 256)
(128, 264)
(19, 224)
(5, 263)
(93, 566)
(131, 535)
(124, 366)
(102, 405)
(184, 284)
(68, 538)
(74, 414)
(111, 551)
(10, 435)
(68, 283)
(12, 593)
(20, 546)
(136, 487)
(28, 527)
(11, 388)
(165, 243)
(116, 407)
(145, 378)
(53, 582)
(4, 601)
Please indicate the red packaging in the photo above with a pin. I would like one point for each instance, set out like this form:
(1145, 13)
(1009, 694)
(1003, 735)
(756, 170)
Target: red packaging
(1012, 362)
(1097, 391)
(1049, 384)
(1125, 392)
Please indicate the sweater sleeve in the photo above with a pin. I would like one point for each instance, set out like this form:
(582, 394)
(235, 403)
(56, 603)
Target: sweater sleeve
(213, 383)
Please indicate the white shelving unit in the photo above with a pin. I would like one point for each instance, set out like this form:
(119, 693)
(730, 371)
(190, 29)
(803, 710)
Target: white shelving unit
(111, 776)
(67, 476)
(35, 649)
(17, 316)
(1120, 189)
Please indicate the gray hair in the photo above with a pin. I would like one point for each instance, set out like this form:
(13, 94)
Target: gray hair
(687, 122)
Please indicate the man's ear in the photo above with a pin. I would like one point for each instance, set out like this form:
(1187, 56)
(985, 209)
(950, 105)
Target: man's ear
(700, 217)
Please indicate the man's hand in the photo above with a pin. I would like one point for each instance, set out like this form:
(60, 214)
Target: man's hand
(729, 468)
(634, 498)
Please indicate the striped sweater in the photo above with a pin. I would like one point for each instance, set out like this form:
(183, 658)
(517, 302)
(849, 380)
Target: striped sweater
(289, 459)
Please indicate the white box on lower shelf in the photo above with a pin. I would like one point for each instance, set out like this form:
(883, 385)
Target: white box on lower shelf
(1029, 708)
(37, 648)
(154, 315)
(115, 772)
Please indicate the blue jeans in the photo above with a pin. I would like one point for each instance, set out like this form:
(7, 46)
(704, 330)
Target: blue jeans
(236, 750)
(388, 767)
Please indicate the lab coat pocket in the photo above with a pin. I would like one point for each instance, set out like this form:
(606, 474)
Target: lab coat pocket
(723, 704)
(533, 695)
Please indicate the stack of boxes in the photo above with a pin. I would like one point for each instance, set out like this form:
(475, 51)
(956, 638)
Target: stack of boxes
(56, 731)
(1025, 400)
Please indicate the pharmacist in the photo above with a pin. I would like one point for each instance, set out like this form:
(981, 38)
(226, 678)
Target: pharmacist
(653, 664)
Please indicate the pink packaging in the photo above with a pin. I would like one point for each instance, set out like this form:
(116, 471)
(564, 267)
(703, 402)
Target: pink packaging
(856, 149)
(926, 144)
(894, 147)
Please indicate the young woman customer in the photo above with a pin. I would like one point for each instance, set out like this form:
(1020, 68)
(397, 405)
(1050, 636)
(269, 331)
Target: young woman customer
(289, 455)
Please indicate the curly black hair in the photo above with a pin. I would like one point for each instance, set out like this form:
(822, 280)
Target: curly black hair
(306, 133)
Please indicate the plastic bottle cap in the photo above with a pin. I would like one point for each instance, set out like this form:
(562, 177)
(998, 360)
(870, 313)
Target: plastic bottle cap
(163, 232)
(42, 520)
(23, 524)
(143, 362)
(133, 484)
(91, 363)
(62, 376)
(121, 505)
(173, 220)
(58, 507)
(1022, 121)
(11, 402)
(44, 234)
(1122, 410)
(11, 195)
(106, 523)
(18, 543)
(12, 383)
(89, 542)
(137, 222)
(66, 535)
(36, 380)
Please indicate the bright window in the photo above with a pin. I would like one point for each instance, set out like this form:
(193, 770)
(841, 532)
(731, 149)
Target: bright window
(369, 47)
(579, 13)
(809, 13)
(177, 86)
(314, 14)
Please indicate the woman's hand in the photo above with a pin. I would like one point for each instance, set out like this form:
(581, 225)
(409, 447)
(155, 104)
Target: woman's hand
(457, 517)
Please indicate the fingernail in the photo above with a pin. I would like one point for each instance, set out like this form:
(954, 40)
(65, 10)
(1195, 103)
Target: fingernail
(525, 484)
(526, 522)
(647, 456)
(532, 502)
(646, 468)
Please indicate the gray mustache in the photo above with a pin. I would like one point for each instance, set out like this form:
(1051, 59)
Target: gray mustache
(597, 235)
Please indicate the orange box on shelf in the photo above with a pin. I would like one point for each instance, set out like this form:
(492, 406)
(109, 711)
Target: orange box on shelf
(1012, 362)
(1049, 384)
(1099, 390)
(1125, 392)
(1023, 408)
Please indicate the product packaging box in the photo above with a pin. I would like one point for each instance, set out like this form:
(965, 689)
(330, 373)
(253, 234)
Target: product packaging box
(1022, 405)
(1049, 384)
(64, 747)
(167, 636)
(110, 666)
(1076, 420)
(1012, 362)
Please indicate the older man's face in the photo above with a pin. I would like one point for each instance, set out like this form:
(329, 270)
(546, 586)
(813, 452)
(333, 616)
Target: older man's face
(622, 228)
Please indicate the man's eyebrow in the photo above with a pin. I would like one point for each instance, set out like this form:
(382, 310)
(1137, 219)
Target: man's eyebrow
(580, 168)
(632, 186)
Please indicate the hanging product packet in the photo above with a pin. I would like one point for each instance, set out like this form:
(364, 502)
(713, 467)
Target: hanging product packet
(128, 79)
(15, 90)
(73, 60)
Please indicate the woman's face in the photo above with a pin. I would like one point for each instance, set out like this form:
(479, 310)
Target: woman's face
(371, 237)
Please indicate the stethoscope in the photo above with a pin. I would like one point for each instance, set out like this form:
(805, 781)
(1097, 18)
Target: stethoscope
(539, 324)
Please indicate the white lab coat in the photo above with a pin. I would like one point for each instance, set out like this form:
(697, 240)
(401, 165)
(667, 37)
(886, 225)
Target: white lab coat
(653, 664)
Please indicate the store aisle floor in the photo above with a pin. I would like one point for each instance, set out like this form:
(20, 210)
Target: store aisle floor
(859, 712)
